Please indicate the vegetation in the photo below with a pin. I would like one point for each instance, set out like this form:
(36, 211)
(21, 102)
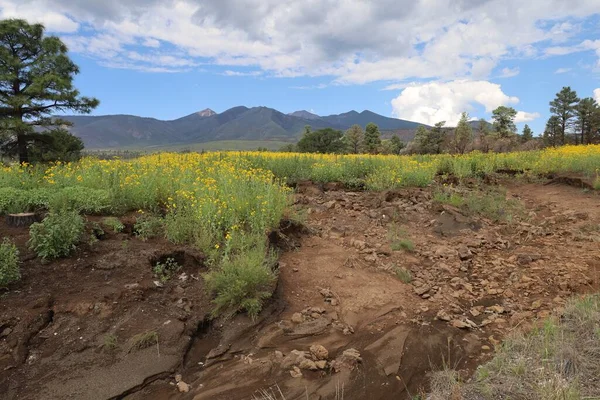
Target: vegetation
(143, 340)
(322, 141)
(148, 226)
(57, 235)
(114, 224)
(164, 271)
(403, 274)
(36, 81)
(9, 263)
(556, 361)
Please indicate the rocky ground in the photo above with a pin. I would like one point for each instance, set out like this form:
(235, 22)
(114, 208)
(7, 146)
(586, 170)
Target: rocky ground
(379, 289)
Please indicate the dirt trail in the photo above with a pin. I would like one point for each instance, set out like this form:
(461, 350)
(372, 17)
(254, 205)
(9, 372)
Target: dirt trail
(473, 281)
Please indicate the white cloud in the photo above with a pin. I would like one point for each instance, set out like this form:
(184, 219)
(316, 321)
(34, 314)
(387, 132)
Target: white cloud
(523, 116)
(432, 102)
(406, 39)
(597, 95)
(562, 70)
(240, 73)
(509, 72)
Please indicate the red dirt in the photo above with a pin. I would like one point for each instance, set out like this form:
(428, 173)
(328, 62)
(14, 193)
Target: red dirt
(511, 276)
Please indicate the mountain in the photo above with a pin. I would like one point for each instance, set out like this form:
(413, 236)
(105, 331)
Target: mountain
(237, 123)
(304, 114)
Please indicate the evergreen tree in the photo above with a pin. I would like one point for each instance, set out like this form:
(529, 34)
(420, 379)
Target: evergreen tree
(397, 144)
(430, 141)
(372, 138)
(36, 80)
(322, 141)
(563, 107)
(463, 134)
(504, 121)
(527, 134)
(354, 138)
(552, 133)
(585, 113)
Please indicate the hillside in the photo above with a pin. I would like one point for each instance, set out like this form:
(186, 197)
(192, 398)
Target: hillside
(238, 123)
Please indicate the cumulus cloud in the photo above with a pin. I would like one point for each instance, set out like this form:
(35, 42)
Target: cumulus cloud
(354, 41)
(597, 95)
(523, 116)
(432, 102)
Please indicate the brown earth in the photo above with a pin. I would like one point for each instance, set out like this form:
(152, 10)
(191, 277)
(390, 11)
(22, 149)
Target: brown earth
(474, 281)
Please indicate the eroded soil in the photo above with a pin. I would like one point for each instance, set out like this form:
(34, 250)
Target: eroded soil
(473, 281)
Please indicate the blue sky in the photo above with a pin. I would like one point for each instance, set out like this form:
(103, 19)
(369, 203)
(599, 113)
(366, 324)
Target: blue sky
(425, 60)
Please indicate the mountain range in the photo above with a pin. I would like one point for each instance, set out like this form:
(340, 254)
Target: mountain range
(236, 124)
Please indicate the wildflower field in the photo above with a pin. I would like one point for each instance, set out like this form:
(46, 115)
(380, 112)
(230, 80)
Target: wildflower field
(225, 203)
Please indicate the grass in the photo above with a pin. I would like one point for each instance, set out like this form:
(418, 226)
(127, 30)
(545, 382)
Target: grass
(560, 360)
(110, 342)
(596, 183)
(403, 274)
(399, 241)
(143, 340)
(114, 224)
(489, 203)
(9, 263)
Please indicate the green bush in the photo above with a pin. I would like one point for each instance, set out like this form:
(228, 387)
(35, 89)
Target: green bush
(57, 235)
(243, 281)
(80, 199)
(114, 224)
(9, 263)
(165, 270)
(148, 226)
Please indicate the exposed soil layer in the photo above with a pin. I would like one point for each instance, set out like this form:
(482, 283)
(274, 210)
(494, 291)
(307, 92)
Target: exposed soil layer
(68, 328)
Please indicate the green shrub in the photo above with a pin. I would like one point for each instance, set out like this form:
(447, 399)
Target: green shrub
(81, 199)
(403, 274)
(148, 226)
(165, 271)
(114, 224)
(243, 280)
(9, 263)
(57, 235)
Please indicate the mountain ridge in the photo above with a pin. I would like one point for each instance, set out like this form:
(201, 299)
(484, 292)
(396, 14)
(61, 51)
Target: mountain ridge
(236, 123)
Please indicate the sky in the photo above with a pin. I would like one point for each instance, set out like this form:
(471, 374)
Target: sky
(421, 60)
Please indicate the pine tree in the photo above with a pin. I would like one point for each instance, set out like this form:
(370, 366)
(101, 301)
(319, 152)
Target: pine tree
(397, 144)
(563, 107)
(504, 121)
(372, 138)
(463, 134)
(585, 113)
(36, 81)
(527, 134)
(354, 138)
(552, 133)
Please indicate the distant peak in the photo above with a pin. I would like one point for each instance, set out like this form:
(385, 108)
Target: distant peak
(304, 114)
(207, 112)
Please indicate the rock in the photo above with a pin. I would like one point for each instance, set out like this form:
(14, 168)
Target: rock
(131, 286)
(296, 373)
(527, 258)
(305, 363)
(326, 293)
(352, 354)
(295, 269)
(389, 349)
(322, 364)
(422, 290)
(464, 253)
(278, 355)
(181, 385)
(297, 318)
(459, 324)
(292, 359)
(495, 309)
(319, 352)
(536, 304)
(442, 315)
(6, 332)
(310, 328)
(329, 204)
(337, 233)
(444, 252)
(485, 347)
(475, 312)
(358, 244)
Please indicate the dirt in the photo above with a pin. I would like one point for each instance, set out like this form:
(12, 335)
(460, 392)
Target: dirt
(474, 281)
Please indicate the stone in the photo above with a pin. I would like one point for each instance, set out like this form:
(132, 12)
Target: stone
(183, 387)
(329, 204)
(442, 315)
(459, 324)
(305, 363)
(464, 253)
(536, 304)
(326, 293)
(297, 318)
(296, 373)
(422, 290)
(321, 364)
(496, 309)
(319, 352)
(278, 355)
(352, 354)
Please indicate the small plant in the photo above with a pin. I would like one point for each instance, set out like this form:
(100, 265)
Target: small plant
(9, 263)
(403, 244)
(165, 271)
(453, 199)
(110, 342)
(398, 239)
(596, 184)
(114, 224)
(57, 235)
(403, 274)
(144, 340)
(148, 226)
(97, 231)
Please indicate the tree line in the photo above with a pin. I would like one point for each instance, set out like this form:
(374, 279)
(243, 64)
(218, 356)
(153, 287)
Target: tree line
(573, 121)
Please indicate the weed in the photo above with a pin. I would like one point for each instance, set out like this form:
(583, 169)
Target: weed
(491, 204)
(9, 263)
(596, 183)
(97, 230)
(57, 235)
(148, 226)
(398, 239)
(143, 340)
(403, 274)
(110, 342)
(165, 271)
(403, 244)
(114, 224)
(243, 279)
(445, 197)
